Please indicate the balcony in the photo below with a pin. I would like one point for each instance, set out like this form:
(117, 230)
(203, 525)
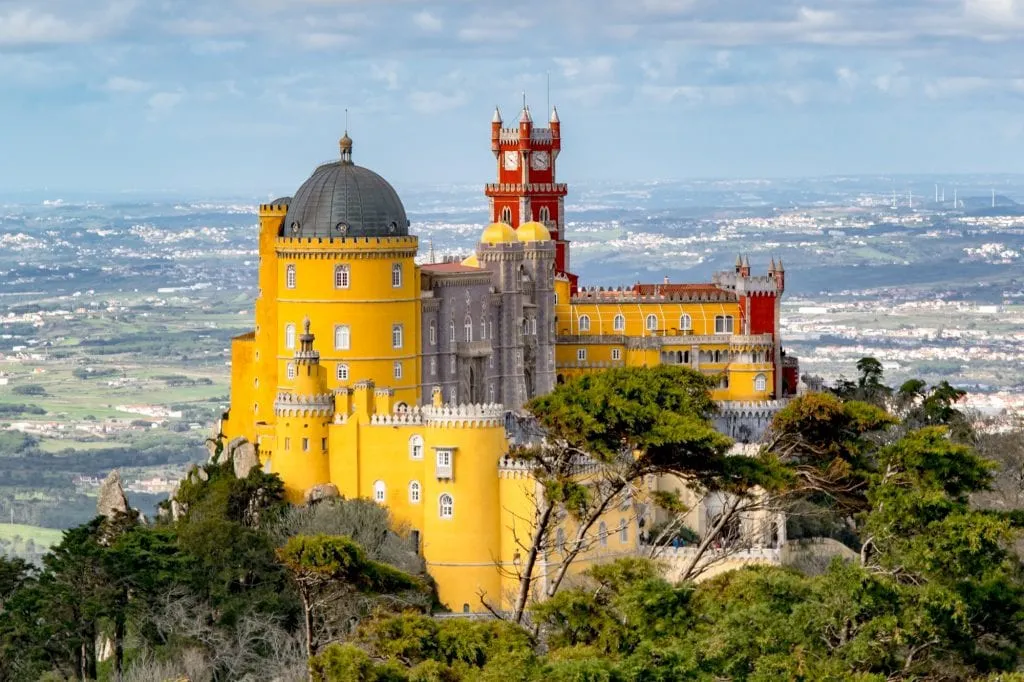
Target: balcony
(444, 458)
(473, 349)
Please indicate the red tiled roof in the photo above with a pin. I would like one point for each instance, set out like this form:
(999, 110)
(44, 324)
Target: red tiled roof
(669, 289)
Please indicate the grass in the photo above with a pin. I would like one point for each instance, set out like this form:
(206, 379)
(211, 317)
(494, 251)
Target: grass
(42, 537)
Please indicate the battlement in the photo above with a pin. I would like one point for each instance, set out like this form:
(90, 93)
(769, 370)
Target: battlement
(316, 405)
(707, 293)
(515, 189)
(746, 285)
(539, 136)
(478, 415)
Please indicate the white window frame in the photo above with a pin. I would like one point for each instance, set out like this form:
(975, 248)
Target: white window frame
(506, 215)
(397, 335)
(584, 323)
(289, 336)
(581, 354)
(342, 337)
(685, 322)
(451, 330)
(544, 214)
(396, 369)
(290, 370)
(444, 460)
(433, 333)
(342, 372)
(396, 275)
(724, 324)
(483, 329)
(467, 328)
(415, 492)
(380, 491)
(416, 447)
(616, 353)
(290, 276)
(760, 383)
(446, 506)
(342, 276)
(619, 323)
(648, 325)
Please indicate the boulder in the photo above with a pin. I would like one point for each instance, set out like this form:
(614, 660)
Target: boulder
(111, 498)
(244, 459)
(324, 491)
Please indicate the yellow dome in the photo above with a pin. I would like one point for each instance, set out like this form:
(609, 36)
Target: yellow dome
(533, 232)
(471, 261)
(498, 233)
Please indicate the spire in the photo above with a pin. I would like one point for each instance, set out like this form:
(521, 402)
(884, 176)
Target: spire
(345, 144)
(746, 262)
(771, 266)
(554, 114)
(739, 261)
(780, 268)
(497, 116)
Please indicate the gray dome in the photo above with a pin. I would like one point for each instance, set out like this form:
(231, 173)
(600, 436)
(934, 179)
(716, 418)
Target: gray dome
(344, 200)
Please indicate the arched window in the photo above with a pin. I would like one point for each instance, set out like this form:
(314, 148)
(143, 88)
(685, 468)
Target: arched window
(483, 329)
(544, 215)
(451, 331)
(446, 506)
(506, 215)
(289, 336)
(379, 491)
(584, 323)
(291, 370)
(468, 328)
(342, 372)
(760, 383)
(341, 276)
(619, 324)
(652, 323)
(685, 323)
(414, 492)
(396, 336)
(623, 531)
(433, 333)
(342, 337)
(602, 533)
(416, 447)
(289, 277)
(396, 275)
(397, 369)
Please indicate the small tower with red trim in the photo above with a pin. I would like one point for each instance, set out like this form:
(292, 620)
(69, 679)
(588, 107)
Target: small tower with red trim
(526, 189)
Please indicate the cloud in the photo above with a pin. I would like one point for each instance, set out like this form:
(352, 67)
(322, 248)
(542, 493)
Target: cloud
(120, 84)
(28, 25)
(160, 103)
(426, 21)
(385, 72)
(433, 102)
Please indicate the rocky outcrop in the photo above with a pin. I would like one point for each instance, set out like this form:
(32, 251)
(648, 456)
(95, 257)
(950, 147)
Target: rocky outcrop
(325, 491)
(244, 459)
(111, 498)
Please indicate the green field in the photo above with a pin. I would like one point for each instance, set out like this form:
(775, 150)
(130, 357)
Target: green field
(42, 537)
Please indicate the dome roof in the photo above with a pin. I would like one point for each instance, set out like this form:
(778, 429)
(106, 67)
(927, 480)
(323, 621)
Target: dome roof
(498, 233)
(471, 261)
(533, 232)
(342, 199)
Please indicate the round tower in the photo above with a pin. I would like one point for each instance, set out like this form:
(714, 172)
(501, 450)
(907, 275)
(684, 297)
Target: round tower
(303, 410)
(345, 258)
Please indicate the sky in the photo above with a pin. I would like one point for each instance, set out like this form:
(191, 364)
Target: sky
(248, 96)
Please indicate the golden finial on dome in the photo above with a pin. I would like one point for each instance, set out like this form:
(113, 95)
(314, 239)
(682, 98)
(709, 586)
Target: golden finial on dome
(345, 143)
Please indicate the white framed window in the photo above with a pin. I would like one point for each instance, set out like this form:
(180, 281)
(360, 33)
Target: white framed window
(397, 369)
(602, 533)
(651, 323)
(619, 323)
(506, 215)
(685, 323)
(443, 463)
(544, 215)
(616, 353)
(446, 506)
(291, 370)
(581, 354)
(468, 328)
(760, 383)
(305, 445)
(533, 326)
(342, 337)
(451, 365)
(433, 333)
(414, 492)
(623, 531)
(396, 275)
(342, 372)
(723, 324)
(483, 329)
(416, 447)
(289, 277)
(396, 336)
(433, 366)
(289, 336)
(490, 328)
(584, 323)
(451, 331)
(379, 491)
(342, 277)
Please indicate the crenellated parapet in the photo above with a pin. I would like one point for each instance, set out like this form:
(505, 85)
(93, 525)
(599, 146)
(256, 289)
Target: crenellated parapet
(316, 405)
(463, 416)
(654, 294)
(747, 420)
(346, 248)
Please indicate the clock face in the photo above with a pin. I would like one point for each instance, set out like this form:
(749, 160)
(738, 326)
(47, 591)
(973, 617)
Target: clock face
(511, 160)
(540, 161)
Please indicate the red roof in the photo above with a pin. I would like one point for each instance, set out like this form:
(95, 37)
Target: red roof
(669, 289)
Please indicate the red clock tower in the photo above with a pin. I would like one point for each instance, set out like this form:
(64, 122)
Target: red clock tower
(526, 189)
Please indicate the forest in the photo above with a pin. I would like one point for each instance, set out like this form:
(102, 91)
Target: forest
(241, 586)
